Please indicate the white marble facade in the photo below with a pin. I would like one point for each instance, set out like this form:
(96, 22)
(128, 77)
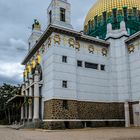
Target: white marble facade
(118, 82)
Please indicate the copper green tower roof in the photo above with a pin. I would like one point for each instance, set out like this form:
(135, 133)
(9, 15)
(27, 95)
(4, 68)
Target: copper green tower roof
(112, 11)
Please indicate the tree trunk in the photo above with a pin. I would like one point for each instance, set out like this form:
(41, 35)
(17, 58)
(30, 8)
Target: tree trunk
(9, 118)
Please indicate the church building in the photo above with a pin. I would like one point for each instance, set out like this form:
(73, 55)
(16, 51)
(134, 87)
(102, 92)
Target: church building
(84, 79)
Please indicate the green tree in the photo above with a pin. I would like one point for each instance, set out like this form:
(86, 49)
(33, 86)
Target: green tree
(7, 92)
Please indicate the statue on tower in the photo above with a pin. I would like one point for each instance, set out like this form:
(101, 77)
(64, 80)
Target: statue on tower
(36, 25)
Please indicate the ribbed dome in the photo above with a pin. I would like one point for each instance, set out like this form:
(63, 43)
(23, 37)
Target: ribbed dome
(107, 6)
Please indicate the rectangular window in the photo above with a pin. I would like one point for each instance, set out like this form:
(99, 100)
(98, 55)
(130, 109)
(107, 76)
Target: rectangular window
(62, 14)
(91, 65)
(65, 104)
(64, 84)
(64, 59)
(79, 63)
(103, 67)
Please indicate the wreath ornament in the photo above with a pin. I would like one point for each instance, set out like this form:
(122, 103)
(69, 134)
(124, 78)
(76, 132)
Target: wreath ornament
(57, 39)
(104, 52)
(91, 49)
(71, 42)
(131, 48)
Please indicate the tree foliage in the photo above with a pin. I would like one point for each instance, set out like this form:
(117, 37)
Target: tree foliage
(7, 92)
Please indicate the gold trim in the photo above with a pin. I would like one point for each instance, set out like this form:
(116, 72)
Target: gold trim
(57, 39)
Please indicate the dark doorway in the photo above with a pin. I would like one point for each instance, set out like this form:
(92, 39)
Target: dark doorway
(88, 124)
(66, 125)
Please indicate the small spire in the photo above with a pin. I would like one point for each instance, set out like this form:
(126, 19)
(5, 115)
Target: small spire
(36, 25)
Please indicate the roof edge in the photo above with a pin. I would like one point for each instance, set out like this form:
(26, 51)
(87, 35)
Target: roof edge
(53, 28)
(132, 37)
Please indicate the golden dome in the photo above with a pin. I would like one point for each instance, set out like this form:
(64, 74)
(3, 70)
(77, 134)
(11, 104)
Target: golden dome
(107, 5)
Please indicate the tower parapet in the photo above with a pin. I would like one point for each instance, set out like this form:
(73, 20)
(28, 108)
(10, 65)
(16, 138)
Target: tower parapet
(59, 13)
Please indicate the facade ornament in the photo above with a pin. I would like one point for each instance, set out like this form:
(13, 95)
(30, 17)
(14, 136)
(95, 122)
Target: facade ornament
(25, 74)
(33, 63)
(38, 59)
(91, 49)
(43, 48)
(77, 45)
(57, 39)
(131, 48)
(49, 41)
(64, 40)
(29, 68)
(71, 42)
(104, 52)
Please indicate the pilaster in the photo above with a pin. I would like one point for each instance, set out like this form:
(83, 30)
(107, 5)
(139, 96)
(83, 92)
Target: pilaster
(127, 114)
(36, 96)
(26, 106)
(30, 94)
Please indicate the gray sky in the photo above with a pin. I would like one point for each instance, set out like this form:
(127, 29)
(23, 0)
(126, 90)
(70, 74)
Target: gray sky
(15, 18)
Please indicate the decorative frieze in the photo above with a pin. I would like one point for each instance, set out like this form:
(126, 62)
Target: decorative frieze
(71, 42)
(91, 49)
(104, 52)
(57, 39)
(131, 48)
(77, 45)
(49, 41)
(63, 41)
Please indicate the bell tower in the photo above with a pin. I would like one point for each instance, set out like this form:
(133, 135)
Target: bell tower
(59, 13)
(36, 33)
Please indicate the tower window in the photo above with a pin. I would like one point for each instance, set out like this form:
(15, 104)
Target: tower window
(64, 84)
(65, 104)
(50, 17)
(62, 14)
(79, 63)
(64, 59)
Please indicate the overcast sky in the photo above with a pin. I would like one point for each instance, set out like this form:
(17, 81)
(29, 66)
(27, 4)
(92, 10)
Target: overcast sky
(16, 18)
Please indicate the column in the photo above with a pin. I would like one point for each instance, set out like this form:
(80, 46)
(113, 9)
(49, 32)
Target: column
(127, 115)
(30, 94)
(36, 96)
(26, 106)
(22, 112)
(22, 107)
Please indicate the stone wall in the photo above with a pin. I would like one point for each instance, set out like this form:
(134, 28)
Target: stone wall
(54, 109)
(90, 110)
